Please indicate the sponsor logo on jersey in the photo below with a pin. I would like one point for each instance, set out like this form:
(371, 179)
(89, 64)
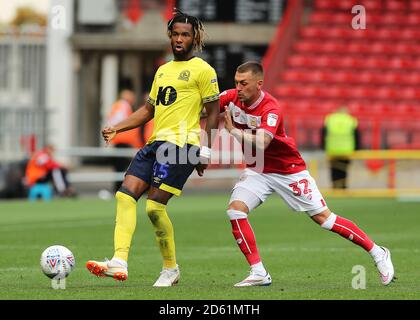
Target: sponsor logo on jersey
(184, 75)
(157, 179)
(272, 120)
(166, 96)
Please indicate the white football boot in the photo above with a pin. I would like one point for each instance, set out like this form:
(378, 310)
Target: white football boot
(168, 277)
(255, 280)
(385, 267)
(108, 268)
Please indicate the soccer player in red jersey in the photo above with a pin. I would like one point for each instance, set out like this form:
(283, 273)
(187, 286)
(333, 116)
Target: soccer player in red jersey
(251, 112)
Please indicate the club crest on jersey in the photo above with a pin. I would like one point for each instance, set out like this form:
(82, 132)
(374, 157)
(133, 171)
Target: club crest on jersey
(272, 120)
(253, 122)
(184, 75)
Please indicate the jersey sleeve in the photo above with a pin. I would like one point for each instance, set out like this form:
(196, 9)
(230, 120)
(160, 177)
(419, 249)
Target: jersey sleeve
(208, 85)
(153, 92)
(225, 98)
(271, 120)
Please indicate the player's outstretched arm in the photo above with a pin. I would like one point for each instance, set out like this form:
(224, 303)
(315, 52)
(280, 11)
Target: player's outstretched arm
(136, 119)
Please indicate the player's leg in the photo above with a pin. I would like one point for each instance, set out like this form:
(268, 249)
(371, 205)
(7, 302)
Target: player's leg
(169, 177)
(164, 233)
(349, 230)
(136, 182)
(125, 224)
(243, 200)
(339, 168)
(301, 193)
(58, 178)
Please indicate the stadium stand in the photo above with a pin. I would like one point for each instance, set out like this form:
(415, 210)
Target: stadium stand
(375, 71)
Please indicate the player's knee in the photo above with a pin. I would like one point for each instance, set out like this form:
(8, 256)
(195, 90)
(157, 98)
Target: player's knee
(123, 197)
(239, 206)
(325, 219)
(126, 191)
(154, 210)
(236, 214)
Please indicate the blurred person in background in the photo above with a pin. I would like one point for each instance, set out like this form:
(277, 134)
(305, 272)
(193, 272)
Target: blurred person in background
(340, 138)
(120, 111)
(42, 168)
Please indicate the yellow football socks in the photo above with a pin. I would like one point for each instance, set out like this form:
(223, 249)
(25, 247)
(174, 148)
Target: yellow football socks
(164, 232)
(125, 224)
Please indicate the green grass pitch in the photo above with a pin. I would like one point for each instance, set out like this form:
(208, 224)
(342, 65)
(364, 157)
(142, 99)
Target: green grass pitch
(305, 261)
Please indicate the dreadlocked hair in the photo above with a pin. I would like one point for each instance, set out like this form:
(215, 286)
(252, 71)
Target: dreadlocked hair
(197, 25)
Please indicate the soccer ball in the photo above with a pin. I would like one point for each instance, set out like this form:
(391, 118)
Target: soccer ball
(57, 262)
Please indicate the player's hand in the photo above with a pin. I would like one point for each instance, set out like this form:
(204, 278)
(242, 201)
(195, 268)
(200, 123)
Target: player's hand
(200, 167)
(228, 119)
(109, 133)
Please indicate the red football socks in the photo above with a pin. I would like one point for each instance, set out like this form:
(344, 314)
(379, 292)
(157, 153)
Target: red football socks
(347, 229)
(245, 238)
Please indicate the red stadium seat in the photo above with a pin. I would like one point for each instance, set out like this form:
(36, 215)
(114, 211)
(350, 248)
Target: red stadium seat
(371, 5)
(294, 75)
(326, 17)
(286, 90)
(395, 138)
(414, 5)
(412, 78)
(410, 93)
(311, 32)
(414, 19)
(334, 5)
(394, 124)
(355, 107)
(299, 61)
(386, 93)
(373, 17)
(395, 5)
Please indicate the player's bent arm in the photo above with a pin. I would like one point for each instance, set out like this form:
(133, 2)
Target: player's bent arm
(137, 118)
(260, 140)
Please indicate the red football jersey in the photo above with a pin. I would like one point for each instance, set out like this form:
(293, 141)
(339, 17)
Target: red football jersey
(282, 155)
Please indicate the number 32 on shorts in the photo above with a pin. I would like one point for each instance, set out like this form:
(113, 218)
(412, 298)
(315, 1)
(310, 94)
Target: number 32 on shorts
(299, 187)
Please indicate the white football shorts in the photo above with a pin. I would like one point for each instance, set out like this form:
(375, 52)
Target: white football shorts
(298, 190)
